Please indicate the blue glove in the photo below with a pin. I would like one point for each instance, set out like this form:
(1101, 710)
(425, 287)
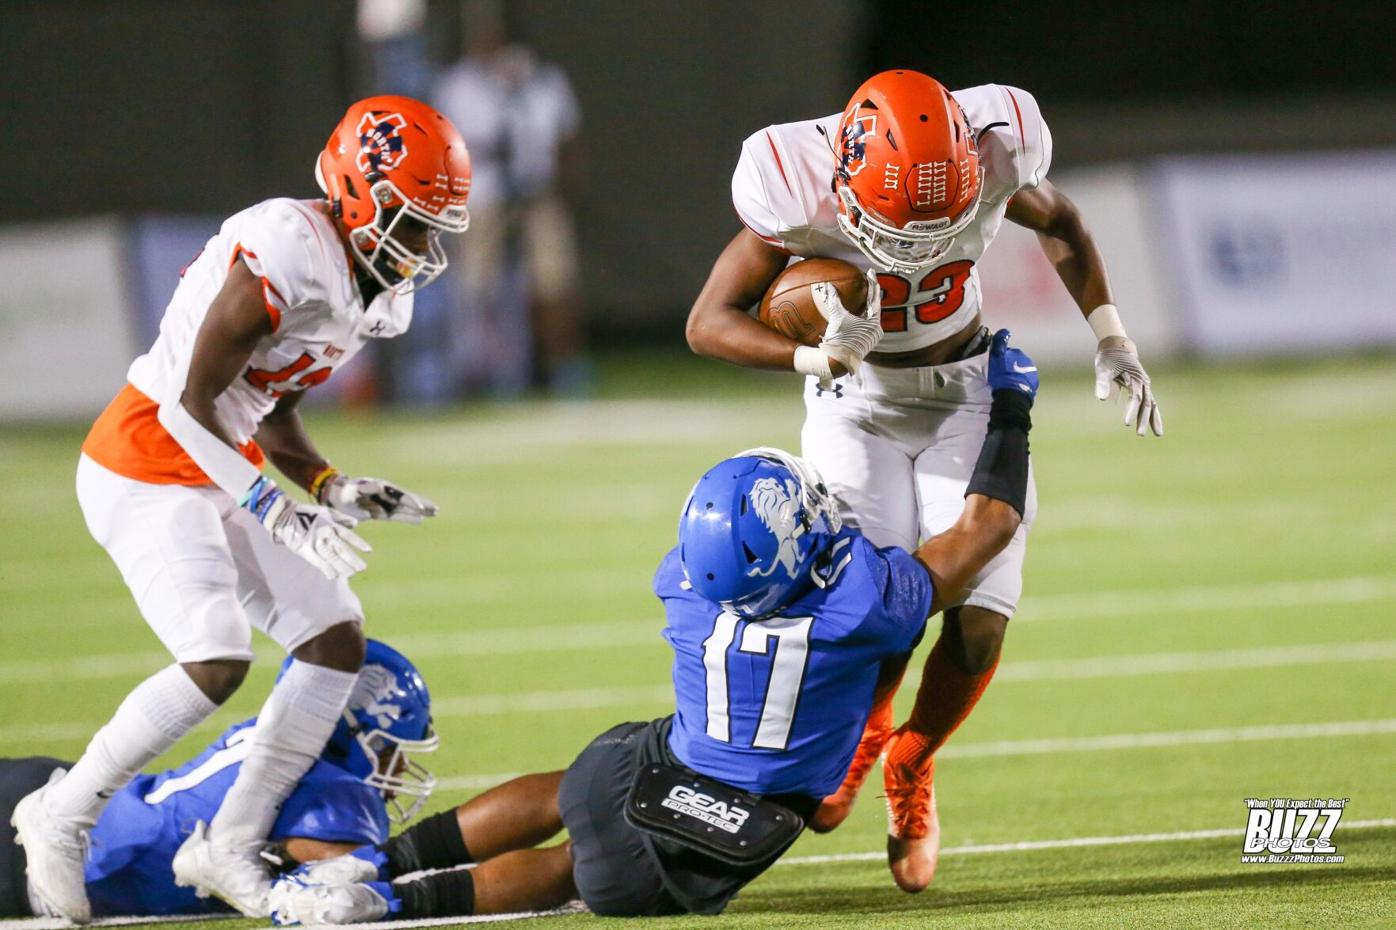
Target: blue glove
(1010, 369)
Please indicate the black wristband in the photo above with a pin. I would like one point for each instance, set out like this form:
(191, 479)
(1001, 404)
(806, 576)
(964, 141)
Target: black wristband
(1011, 408)
(445, 894)
(1002, 469)
(434, 843)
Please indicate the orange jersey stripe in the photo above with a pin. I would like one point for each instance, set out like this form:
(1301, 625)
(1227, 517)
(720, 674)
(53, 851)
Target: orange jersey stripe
(129, 440)
(268, 289)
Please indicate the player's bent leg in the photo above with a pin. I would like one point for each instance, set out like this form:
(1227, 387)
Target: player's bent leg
(318, 621)
(524, 880)
(978, 638)
(836, 807)
(519, 814)
(52, 823)
(341, 647)
(958, 670)
(218, 679)
(223, 858)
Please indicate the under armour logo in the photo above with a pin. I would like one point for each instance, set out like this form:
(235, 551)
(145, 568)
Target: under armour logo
(836, 390)
(376, 328)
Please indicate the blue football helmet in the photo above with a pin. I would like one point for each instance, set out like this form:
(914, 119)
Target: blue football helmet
(752, 530)
(388, 716)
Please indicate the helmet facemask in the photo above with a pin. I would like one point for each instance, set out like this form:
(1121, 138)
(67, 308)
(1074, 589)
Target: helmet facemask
(394, 773)
(902, 250)
(391, 262)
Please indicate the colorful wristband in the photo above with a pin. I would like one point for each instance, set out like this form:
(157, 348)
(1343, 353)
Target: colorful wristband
(322, 477)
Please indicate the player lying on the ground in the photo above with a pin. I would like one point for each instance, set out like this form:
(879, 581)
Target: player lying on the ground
(363, 779)
(910, 183)
(171, 486)
(780, 621)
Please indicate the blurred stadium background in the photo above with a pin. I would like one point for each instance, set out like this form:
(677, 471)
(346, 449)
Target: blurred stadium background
(1208, 617)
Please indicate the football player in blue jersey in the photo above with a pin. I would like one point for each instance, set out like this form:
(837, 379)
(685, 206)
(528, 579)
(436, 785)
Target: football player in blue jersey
(364, 778)
(781, 621)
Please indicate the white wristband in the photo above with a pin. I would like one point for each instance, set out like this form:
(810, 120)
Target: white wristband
(220, 461)
(812, 360)
(1105, 321)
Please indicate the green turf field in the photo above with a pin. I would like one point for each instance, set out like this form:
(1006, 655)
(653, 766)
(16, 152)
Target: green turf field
(1207, 618)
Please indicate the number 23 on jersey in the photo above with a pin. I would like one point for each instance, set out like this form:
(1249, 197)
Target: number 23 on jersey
(939, 293)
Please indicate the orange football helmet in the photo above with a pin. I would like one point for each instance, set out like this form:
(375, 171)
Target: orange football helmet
(396, 165)
(907, 170)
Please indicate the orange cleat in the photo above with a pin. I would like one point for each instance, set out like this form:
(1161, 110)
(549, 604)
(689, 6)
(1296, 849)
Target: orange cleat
(913, 827)
(839, 805)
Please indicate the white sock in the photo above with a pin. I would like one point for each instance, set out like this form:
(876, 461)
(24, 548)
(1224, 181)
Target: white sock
(295, 724)
(152, 719)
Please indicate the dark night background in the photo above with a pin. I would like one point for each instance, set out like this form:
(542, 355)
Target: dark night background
(174, 107)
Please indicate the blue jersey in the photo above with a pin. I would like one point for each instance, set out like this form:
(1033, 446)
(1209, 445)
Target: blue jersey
(134, 841)
(777, 706)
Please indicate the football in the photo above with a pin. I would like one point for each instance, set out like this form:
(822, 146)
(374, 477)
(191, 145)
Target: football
(788, 306)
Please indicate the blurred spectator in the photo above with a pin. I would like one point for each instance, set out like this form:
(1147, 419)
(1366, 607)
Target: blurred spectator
(517, 267)
(392, 31)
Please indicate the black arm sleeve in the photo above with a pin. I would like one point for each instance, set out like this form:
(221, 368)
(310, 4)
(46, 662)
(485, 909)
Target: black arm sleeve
(1002, 469)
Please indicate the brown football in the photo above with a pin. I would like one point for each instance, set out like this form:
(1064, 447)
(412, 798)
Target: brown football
(788, 306)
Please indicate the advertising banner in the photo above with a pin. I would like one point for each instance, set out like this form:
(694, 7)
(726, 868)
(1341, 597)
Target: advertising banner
(1283, 254)
(1023, 292)
(65, 334)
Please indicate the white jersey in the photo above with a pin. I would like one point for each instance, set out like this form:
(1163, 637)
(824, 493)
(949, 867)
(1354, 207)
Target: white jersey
(783, 191)
(317, 314)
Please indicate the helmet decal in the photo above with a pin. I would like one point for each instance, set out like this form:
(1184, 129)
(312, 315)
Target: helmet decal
(776, 504)
(853, 149)
(376, 693)
(928, 192)
(381, 147)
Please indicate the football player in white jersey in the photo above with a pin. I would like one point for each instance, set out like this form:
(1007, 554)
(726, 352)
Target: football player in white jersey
(170, 484)
(910, 182)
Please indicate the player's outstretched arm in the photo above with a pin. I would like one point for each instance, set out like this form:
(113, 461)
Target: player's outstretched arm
(1069, 246)
(283, 437)
(997, 491)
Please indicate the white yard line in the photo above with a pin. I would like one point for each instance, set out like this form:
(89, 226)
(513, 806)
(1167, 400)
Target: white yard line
(1168, 663)
(1075, 842)
(644, 631)
(639, 699)
(1040, 747)
(54, 923)
(1221, 735)
(1308, 592)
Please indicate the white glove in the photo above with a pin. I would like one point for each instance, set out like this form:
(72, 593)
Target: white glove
(374, 499)
(339, 870)
(317, 534)
(847, 338)
(1117, 365)
(294, 903)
